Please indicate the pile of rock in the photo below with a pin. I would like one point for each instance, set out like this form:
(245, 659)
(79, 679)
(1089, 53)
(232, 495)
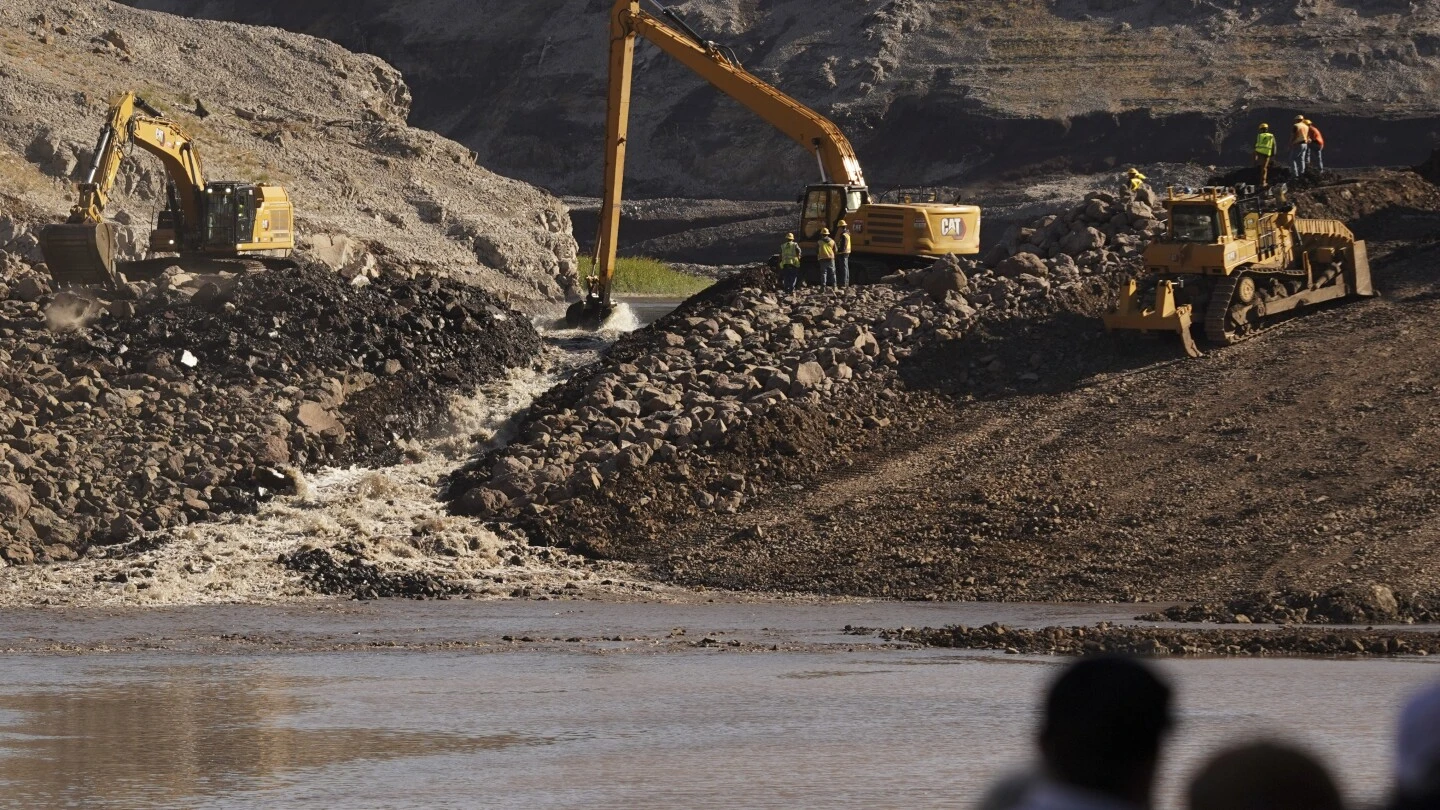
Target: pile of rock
(683, 387)
(360, 579)
(1103, 233)
(1345, 604)
(1155, 641)
(733, 361)
(162, 403)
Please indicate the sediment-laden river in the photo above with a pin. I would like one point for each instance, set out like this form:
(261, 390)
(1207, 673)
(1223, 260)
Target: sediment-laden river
(410, 705)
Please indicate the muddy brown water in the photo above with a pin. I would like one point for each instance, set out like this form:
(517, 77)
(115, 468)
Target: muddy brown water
(173, 716)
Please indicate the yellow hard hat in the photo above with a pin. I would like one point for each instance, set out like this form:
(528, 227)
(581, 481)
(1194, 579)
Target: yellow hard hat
(1264, 127)
(1134, 170)
(841, 224)
(1307, 120)
(824, 231)
(790, 237)
(1299, 119)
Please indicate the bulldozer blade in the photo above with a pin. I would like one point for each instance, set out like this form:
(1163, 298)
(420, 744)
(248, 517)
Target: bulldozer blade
(80, 255)
(1360, 268)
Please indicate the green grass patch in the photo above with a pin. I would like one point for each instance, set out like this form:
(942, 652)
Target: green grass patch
(641, 276)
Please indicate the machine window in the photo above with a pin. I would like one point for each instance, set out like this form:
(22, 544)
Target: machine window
(1194, 223)
(853, 200)
(1237, 222)
(815, 205)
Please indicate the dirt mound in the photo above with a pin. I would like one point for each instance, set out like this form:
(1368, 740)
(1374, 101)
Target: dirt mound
(1346, 604)
(166, 403)
(327, 124)
(744, 393)
(359, 579)
(1151, 641)
(1379, 204)
(1021, 454)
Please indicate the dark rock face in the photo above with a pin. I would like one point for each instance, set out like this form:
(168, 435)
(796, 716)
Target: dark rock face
(930, 91)
(127, 411)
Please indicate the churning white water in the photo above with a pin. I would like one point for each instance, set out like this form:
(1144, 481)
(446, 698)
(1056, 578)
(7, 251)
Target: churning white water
(392, 514)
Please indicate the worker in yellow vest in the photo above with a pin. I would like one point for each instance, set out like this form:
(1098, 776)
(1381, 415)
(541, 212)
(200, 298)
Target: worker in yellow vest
(825, 252)
(1137, 180)
(790, 263)
(1264, 153)
(842, 247)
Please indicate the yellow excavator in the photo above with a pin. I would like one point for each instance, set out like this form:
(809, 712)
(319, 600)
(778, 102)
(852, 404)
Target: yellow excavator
(1234, 260)
(895, 235)
(201, 219)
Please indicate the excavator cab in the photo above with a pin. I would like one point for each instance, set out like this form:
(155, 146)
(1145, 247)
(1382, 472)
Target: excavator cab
(824, 205)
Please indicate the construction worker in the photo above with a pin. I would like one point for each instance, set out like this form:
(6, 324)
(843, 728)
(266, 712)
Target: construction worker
(1299, 146)
(1317, 146)
(825, 252)
(790, 263)
(843, 249)
(1264, 153)
(1137, 180)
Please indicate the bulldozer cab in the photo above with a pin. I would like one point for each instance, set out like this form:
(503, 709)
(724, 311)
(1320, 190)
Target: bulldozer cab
(824, 205)
(1208, 220)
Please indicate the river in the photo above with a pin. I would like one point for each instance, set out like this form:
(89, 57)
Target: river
(390, 705)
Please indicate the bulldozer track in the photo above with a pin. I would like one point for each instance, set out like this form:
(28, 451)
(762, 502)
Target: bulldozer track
(1218, 310)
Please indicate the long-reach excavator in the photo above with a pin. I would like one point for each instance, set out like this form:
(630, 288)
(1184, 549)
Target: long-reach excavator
(896, 235)
(201, 219)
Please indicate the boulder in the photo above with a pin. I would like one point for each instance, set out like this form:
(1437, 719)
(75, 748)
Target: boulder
(1021, 263)
(17, 554)
(945, 276)
(318, 420)
(1082, 241)
(15, 501)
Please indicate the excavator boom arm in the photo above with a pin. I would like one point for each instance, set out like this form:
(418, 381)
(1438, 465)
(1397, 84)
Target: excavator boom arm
(132, 120)
(798, 122)
(838, 161)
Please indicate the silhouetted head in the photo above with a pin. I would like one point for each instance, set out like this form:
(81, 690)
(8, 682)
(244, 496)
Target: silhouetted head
(1264, 776)
(1417, 754)
(1104, 720)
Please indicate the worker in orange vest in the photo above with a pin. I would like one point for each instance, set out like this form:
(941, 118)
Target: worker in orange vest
(1299, 146)
(1317, 146)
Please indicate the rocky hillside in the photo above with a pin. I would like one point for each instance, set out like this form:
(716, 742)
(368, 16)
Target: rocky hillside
(328, 124)
(932, 91)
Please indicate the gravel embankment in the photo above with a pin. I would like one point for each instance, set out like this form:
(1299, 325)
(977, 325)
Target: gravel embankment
(160, 404)
(1158, 641)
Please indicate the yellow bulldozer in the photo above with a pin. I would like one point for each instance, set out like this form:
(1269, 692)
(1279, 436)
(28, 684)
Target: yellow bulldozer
(213, 220)
(887, 235)
(1235, 259)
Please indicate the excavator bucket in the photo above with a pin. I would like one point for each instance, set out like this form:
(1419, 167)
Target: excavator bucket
(1163, 316)
(80, 255)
